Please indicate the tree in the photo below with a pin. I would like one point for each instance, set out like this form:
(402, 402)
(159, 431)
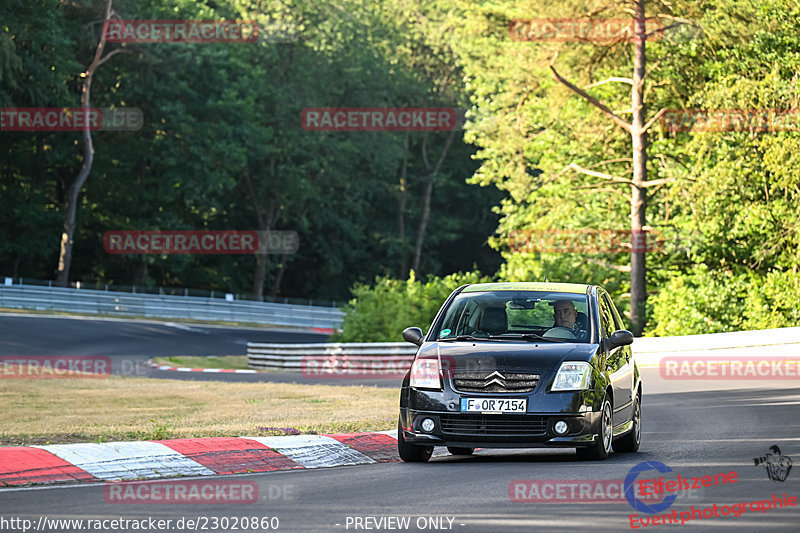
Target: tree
(559, 159)
(637, 129)
(65, 251)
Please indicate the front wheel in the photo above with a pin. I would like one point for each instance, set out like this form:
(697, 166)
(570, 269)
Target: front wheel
(411, 453)
(630, 442)
(602, 448)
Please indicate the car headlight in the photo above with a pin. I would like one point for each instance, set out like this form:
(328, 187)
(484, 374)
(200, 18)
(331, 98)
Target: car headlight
(425, 374)
(572, 376)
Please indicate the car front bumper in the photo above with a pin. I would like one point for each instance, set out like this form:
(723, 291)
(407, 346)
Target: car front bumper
(472, 430)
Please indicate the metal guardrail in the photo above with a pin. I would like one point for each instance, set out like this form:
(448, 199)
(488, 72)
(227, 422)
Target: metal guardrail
(38, 298)
(647, 350)
(166, 291)
(297, 357)
(782, 342)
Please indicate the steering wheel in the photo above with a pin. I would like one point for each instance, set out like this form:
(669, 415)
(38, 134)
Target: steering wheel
(560, 332)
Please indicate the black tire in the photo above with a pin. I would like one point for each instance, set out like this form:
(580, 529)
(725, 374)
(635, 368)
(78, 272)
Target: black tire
(630, 442)
(411, 453)
(602, 448)
(454, 450)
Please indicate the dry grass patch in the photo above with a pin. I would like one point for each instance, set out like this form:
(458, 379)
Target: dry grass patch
(38, 411)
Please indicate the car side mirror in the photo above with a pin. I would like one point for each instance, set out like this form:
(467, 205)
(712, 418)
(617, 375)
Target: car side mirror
(621, 337)
(414, 336)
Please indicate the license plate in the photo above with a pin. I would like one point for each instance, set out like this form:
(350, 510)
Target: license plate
(494, 405)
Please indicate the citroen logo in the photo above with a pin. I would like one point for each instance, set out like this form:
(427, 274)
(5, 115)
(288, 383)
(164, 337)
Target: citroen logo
(496, 377)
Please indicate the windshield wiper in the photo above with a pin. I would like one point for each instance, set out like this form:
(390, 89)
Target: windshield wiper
(535, 337)
(471, 338)
(505, 336)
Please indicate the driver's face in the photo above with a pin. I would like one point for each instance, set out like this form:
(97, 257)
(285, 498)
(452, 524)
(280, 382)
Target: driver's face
(565, 313)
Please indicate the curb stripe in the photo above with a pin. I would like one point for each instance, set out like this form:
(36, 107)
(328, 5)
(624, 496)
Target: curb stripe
(314, 451)
(393, 434)
(124, 461)
(117, 461)
(19, 466)
(151, 364)
(378, 447)
(231, 455)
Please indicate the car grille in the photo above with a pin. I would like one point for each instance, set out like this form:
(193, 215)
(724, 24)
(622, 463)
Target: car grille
(494, 382)
(494, 425)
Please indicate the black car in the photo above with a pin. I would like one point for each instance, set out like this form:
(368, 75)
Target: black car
(514, 365)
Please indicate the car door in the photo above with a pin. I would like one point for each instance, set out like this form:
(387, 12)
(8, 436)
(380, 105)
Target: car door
(617, 362)
(627, 353)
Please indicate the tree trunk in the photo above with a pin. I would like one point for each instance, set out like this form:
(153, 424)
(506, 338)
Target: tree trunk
(427, 194)
(261, 259)
(265, 223)
(276, 285)
(74, 190)
(141, 273)
(638, 191)
(401, 212)
(258, 277)
(637, 129)
(423, 223)
(65, 252)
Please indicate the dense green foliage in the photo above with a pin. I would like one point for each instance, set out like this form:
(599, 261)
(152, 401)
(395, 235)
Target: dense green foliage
(729, 198)
(740, 193)
(382, 311)
(222, 149)
(706, 301)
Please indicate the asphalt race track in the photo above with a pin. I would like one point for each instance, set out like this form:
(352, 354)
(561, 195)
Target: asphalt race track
(49, 335)
(692, 431)
(696, 428)
(129, 343)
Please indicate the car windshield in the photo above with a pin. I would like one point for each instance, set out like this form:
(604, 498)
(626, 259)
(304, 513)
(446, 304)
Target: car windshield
(538, 316)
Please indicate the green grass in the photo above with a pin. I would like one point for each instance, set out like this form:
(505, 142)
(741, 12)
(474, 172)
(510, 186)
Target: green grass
(235, 362)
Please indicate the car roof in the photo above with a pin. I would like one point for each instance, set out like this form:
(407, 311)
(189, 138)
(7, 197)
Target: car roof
(575, 288)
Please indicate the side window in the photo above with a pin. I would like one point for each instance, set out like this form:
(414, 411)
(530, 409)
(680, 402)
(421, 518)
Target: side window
(617, 318)
(606, 318)
(451, 320)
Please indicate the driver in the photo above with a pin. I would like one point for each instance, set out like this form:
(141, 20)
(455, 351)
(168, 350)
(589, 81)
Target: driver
(565, 314)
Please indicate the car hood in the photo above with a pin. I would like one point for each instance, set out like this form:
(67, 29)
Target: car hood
(510, 356)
